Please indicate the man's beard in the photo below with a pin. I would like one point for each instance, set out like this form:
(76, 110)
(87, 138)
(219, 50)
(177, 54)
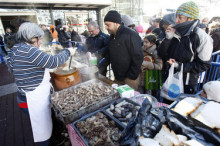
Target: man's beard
(110, 31)
(93, 35)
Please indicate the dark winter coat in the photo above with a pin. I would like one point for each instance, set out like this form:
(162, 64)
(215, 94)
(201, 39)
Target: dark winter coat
(190, 46)
(10, 40)
(124, 54)
(97, 44)
(216, 40)
(75, 36)
(63, 36)
(6, 37)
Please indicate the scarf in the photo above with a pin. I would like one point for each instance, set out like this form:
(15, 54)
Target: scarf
(185, 28)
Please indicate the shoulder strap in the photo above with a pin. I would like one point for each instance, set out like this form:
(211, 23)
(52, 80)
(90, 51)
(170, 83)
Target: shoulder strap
(193, 40)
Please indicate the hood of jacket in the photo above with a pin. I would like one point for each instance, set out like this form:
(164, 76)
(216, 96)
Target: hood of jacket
(127, 20)
(52, 26)
(170, 19)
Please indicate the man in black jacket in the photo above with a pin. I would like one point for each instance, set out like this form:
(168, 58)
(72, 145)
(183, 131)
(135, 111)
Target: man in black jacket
(63, 35)
(74, 35)
(97, 41)
(186, 44)
(124, 51)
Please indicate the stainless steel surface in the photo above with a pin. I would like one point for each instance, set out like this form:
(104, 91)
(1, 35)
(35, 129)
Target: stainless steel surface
(88, 109)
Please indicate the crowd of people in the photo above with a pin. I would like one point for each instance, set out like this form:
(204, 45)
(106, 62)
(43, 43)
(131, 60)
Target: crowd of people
(140, 60)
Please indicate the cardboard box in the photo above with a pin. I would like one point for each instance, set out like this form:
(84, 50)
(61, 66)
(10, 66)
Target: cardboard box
(126, 91)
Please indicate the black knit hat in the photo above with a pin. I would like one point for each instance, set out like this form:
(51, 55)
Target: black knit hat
(113, 16)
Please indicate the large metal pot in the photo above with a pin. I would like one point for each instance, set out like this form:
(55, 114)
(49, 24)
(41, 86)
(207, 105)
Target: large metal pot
(63, 79)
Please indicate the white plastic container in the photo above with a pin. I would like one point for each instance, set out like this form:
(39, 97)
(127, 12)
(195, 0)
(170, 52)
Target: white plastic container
(125, 91)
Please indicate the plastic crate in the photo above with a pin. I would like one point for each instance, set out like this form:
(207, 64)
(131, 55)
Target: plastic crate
(118, 101)
(119, 125)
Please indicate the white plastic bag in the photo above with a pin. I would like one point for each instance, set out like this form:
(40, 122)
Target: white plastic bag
(173, 86)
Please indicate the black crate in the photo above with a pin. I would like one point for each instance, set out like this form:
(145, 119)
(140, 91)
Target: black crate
(119, 125)
(118, 101)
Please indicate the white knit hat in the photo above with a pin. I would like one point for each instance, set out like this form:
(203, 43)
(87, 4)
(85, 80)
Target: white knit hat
(212, 90)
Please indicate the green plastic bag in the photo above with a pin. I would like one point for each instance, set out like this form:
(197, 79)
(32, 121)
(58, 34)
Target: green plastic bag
(153, 80)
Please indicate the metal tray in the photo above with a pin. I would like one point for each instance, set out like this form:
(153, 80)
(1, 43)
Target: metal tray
(66, 119)
(118, 101)
(119, 125)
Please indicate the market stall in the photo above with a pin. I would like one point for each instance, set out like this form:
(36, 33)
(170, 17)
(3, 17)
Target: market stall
(96, 111)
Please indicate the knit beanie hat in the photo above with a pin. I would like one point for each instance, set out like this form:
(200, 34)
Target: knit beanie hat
(212, 90)
(189, 9)
(127, 20)
(113, 16)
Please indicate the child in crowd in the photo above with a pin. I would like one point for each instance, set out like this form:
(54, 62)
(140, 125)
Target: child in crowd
(150, 76)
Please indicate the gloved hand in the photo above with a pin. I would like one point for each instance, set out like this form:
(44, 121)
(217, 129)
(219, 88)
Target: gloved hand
(72, 51)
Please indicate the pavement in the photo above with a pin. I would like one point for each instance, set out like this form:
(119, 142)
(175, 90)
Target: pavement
(7, 82)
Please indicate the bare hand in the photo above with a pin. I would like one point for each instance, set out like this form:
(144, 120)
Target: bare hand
(170, 28)
(171, 61)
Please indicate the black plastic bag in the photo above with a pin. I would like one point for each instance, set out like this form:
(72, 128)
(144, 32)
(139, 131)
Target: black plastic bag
(190, 127)
(148, 125)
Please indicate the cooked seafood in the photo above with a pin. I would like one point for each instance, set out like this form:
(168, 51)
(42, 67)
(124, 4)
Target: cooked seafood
(98, 130)
(123, 111)
(73, 99)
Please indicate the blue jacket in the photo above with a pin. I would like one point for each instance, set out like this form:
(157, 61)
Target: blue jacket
(97, 44)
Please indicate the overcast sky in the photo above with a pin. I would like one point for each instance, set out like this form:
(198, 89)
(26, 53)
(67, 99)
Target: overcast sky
(208, 8)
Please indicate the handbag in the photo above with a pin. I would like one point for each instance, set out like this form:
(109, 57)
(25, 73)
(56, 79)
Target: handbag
(173, 86)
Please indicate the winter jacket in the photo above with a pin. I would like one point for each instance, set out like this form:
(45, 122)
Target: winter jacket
(6, 37)
(190, 46)
(124, 54)
(97, 44)
(63, 36)
(53, 32)
(216, 40)
(147, 65)
(75, 36)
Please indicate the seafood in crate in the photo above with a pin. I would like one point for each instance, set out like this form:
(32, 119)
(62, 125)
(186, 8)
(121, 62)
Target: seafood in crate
(74, 102)
(123, 110)
(99, 129)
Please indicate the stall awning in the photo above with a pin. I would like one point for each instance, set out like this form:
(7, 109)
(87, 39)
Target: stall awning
(55, 4)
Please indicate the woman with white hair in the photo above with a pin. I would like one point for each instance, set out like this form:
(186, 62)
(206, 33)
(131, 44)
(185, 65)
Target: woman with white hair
(30, 67)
